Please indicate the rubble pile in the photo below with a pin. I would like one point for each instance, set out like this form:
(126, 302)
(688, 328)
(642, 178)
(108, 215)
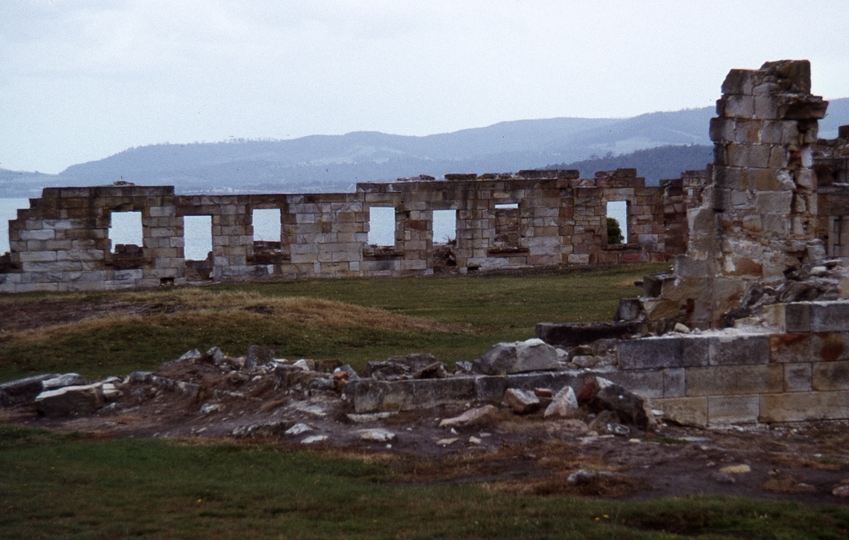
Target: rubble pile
(214, 386)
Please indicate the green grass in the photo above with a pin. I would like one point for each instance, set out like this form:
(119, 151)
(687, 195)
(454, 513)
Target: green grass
(479, 312)
(72, 486)
(66, 486)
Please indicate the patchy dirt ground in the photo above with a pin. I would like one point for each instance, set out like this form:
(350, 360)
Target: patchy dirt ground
(15, 317)
(527, 454)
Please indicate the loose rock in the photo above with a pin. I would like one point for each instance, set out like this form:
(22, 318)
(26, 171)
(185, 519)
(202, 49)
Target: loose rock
(563, 404)
(23, 390)
(736, 469)
(518, 357)
(298, 429)
(472, 416)
(599, 394)
(376, 435)
(521, 401)
(68, 379)
(70, 400)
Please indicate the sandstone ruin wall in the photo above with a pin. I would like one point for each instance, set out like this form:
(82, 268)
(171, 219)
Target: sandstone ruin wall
(528, 219)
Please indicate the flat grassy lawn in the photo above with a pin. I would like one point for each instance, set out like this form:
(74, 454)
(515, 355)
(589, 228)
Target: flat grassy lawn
(357, 320)
(64, 486)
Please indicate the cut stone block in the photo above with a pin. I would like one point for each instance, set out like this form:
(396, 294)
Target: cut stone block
(830, 376)
(797, 377)
(723, 410)
(736, 350)
(731, 380)
(70, 400)
(664, 352)
(684, 411)
(518, 357)
(803, 406)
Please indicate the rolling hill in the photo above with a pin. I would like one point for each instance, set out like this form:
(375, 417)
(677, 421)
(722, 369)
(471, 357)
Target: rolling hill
(337, 162)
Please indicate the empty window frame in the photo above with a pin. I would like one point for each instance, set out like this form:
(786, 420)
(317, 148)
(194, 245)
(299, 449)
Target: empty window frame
(618, 211)
(506, 225)
(381, 226)
(125, 229)
(266, 223)
(197, 237)
(444, 226)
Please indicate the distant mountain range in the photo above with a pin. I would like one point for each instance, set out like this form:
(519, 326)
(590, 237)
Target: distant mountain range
(336, 163)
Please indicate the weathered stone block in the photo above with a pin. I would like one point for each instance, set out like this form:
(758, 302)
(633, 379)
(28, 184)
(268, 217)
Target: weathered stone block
(373, 396)
(658, 308)
(23, 390)
(738, 106)
(830, 316)
(730, 380)
(802, 406)
(664, 352)
(738, 81)
(831, 376)
(37, 234)
(518, 357)
(797, 377)
(797, 317)
(674, 382)
(737, 350)
(70, 400)
(570, 335)
(686, 411)
(724, 410)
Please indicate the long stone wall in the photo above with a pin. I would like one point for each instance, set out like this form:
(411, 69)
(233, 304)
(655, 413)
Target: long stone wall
(529, 219)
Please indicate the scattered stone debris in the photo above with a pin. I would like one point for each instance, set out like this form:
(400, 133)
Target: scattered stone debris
(563, 404)
(198, 395)
(519, 357)
(470, 417)
(376, 435)
(521, 401)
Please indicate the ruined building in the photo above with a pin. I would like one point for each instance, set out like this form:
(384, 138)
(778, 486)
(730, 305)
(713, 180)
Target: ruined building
(773, 193)
(529, 219)
(750, 325)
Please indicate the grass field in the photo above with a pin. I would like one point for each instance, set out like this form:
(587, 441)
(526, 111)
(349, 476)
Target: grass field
(354, 320)
(65, 486)
(78, 486)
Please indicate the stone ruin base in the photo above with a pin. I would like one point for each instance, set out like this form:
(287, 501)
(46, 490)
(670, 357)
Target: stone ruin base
(795, 369)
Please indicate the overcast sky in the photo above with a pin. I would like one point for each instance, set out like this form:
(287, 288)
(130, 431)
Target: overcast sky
(81, 80)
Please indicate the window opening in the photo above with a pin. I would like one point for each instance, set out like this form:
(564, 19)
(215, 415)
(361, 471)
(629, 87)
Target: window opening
(617, 222)
(267, 244)
(506, 227)
(9, 211)
(444, 240)
(266, 222)
(444, 226)
(381, 226)
(125, 233)
(197, 235)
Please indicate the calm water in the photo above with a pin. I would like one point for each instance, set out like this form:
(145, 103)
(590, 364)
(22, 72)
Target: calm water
(8, 210)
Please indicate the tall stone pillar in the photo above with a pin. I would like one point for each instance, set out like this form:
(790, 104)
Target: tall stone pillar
(758, 214)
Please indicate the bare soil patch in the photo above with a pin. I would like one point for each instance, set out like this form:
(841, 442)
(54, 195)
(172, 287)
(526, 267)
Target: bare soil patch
(526, 455)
